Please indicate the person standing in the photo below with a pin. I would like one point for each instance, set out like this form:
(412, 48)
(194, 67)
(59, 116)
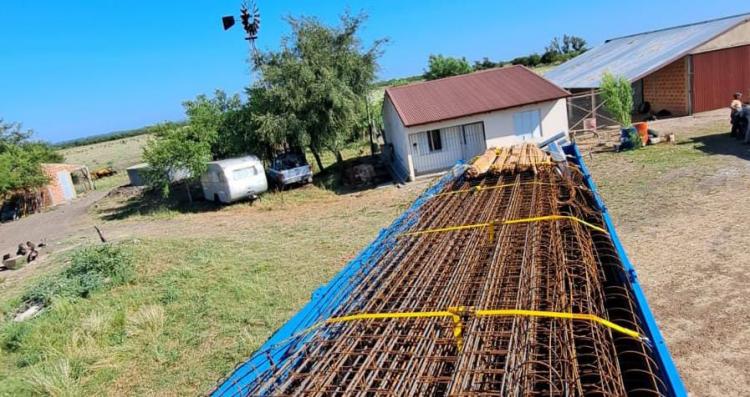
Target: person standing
(736, 108)
(743, 119)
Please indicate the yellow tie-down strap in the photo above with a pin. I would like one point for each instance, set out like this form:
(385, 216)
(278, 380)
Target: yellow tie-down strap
(491, 225)
(456, 313)
(480, 188)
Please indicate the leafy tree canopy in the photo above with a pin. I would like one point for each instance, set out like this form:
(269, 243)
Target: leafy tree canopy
(440, 66)
(222, 120)
(174, 150)
(20, 159)
(312, 92)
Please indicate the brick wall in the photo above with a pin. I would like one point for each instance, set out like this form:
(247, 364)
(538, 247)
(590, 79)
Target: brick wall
(667, 88)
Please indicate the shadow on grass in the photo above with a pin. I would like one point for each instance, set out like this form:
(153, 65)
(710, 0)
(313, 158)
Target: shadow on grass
(720, 144)
(137, 202)
(339, 178)
(149, 203)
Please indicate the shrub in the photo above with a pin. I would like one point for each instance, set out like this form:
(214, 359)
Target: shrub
(13, 336)
(618, 98)
(91, 268)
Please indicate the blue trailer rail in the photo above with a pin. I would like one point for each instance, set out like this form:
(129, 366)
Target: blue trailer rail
(669, 371)
(289, 338)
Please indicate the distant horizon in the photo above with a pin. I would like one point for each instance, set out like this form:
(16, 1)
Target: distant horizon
(82, 69)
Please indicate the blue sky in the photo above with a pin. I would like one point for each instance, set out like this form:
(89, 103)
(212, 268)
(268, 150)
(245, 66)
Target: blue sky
(75, 68)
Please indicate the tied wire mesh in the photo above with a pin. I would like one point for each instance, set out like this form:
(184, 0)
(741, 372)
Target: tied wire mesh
(559, 266)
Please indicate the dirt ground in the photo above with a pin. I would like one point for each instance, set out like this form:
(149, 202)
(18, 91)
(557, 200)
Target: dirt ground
(61, 228)
(684, 222)
(681, 212)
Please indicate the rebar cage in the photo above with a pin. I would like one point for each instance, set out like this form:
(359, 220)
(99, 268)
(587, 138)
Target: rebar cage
(557, 266)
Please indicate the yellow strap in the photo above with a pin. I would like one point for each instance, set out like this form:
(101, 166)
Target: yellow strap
(480, 188)
(505, 222)
(455, 314)
(452, 312)
(563, 315)
(555, 218)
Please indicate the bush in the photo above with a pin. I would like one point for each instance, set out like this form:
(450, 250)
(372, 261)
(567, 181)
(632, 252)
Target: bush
(441, 66)
(91, 268)
(617, 95)
(13, 336)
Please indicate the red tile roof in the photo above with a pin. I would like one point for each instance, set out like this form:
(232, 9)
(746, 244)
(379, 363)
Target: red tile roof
(470, 94)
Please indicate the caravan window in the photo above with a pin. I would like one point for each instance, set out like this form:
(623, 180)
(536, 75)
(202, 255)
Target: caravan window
(244, 173)
(211, 177)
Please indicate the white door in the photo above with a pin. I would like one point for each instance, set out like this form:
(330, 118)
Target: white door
(527, 125)
(474, 143)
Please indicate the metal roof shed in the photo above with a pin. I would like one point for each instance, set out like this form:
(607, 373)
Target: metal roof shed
(662, 63)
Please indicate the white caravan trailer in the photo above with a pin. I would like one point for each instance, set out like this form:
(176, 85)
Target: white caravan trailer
(234, 179)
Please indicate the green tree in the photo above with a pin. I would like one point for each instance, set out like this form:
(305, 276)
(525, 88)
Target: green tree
(312, 92)
(573, 44)
(21, 158)
(486, 63)
(222, 117)
(529, 61)
(560, 50)
(617, 95)
(441, 66)
(174, 150)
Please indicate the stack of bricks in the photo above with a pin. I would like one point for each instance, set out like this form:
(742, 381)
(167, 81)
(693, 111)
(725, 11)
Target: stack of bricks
(667, 88)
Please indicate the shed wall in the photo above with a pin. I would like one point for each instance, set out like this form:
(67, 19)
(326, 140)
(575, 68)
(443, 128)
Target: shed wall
(719, 74)
(667, 88)
(738, 36)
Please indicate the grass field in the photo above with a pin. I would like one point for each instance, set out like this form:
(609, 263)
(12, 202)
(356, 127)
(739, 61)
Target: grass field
(199, 304)
(118, 154)
(212, 285)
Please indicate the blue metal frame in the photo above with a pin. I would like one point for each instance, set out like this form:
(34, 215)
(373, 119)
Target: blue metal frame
(283, 343)
(667, 366)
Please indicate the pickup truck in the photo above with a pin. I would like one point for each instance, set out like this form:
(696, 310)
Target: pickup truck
(290, 168)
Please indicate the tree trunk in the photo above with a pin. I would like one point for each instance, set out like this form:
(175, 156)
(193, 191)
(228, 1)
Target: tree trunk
(187, 189)
(339, 158)
(317, 158)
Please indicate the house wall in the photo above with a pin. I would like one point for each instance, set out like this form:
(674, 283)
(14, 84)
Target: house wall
(498, 126)
(738, 36)
(667, 88)
(395, 135)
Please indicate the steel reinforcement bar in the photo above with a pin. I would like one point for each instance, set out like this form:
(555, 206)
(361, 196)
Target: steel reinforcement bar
(416, 317)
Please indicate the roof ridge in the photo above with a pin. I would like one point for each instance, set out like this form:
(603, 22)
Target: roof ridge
(747, 14)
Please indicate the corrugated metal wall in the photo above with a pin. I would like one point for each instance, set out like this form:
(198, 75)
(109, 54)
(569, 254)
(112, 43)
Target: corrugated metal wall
(719, 74)
(460, 142)
(429, 161)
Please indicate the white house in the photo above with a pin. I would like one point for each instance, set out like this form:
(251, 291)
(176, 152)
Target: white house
(430, 126)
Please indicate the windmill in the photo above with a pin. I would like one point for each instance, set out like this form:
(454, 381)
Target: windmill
(250, 19)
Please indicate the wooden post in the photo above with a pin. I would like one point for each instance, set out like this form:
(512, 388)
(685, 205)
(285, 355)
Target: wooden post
(593, 103)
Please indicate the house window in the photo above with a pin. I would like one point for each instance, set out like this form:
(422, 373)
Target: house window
(433, 139)
(527, 124)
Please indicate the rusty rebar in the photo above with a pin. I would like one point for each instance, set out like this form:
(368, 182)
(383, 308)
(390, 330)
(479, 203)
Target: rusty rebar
(552, 266)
